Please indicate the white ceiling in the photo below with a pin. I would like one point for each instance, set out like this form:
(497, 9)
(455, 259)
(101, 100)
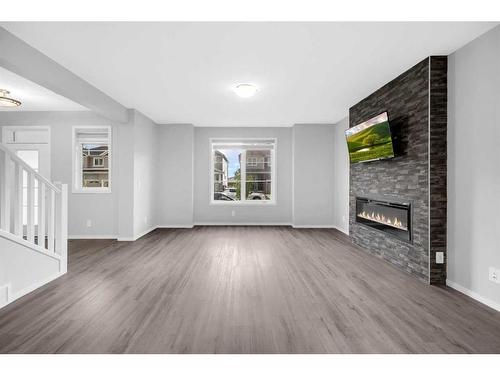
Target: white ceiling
(183, 72)
(32, 96)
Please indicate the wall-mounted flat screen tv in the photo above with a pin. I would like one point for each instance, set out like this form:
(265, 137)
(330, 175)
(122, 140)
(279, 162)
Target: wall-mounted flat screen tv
(370, 140)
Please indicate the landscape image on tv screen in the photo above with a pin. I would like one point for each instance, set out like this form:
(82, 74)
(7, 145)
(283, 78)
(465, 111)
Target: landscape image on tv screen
(370, 140)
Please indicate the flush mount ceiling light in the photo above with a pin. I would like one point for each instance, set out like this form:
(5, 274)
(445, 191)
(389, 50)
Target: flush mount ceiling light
(7, 101)
(245, 90)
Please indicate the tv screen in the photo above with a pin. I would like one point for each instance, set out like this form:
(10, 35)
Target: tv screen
(370, 140)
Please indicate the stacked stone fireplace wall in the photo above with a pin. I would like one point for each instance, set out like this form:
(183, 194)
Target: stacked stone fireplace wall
(416, 176)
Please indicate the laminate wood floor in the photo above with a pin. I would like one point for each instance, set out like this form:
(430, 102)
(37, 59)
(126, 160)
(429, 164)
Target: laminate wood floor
(241, 290)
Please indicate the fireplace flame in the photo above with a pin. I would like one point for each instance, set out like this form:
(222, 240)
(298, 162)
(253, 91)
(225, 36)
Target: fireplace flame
(394, 222)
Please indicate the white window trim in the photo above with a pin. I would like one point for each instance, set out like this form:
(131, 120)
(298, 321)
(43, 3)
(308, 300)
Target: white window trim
(76, 184)
(274, 151)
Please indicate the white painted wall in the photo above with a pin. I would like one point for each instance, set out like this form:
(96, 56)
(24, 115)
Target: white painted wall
(23, 270)
(174, 183)
(474, 166)
(341, 177)
(280, 213)
(313, 175)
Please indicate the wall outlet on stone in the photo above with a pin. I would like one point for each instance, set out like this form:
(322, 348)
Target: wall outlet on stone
(439, 257)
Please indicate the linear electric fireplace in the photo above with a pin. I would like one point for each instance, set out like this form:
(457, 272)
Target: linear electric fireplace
(389, 217)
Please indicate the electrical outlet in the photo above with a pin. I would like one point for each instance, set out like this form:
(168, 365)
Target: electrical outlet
(439, 257)
(494, 275)
(233, 213)
(89, 223)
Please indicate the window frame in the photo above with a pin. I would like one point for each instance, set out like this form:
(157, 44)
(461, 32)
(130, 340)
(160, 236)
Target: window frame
(242, 141)
(77, 160)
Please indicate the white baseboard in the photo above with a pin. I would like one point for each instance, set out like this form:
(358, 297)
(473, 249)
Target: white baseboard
(190, 226)
(92, 237)
(323, 226)
(137, 236)
(345, 231)
(476, 296)
(5, 293)
(110, 236)
(314, 226)
(29, 289)
(175, 226)
(230, 223)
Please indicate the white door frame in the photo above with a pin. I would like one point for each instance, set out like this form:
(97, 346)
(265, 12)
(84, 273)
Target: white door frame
(43, 148)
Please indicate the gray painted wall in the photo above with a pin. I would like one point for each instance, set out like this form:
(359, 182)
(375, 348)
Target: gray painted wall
(341, 177)
(184, 177)
(160, 175)
(100, 208)
(145, 152)
(120, 213)
(280, 213)
(124, 190)
(174, 187)
(313, 175)
(473, 164)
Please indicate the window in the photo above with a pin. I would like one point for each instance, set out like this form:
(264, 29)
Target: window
(243, 171)
(251, 161)
(98, 162)
(92, 159)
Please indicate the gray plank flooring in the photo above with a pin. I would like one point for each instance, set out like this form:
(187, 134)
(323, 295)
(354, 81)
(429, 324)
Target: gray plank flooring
(241, 290)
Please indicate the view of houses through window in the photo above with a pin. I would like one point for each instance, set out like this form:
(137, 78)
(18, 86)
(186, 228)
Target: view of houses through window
(92, 162)
(95, 172)
(243, 171)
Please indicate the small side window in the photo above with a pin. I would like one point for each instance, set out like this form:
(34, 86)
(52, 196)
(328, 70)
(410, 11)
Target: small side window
(92, 159)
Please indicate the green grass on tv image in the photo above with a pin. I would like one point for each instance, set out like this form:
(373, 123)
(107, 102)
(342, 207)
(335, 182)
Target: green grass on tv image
(372, 143)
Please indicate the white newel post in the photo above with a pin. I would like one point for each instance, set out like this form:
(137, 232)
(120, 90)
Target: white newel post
(30, 228)
(51, 230)
(62, 227)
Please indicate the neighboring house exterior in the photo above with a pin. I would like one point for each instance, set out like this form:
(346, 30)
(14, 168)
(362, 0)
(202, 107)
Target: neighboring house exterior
(258, 171)
(221, 170)
(233, 182)
(95, 167)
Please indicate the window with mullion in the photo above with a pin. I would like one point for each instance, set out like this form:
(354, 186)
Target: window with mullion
(243, 171)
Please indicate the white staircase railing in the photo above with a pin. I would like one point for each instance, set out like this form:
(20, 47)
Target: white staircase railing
(33, 210)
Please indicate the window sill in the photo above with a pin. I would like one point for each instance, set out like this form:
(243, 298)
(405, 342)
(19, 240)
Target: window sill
(92, 191)
(243, 203)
